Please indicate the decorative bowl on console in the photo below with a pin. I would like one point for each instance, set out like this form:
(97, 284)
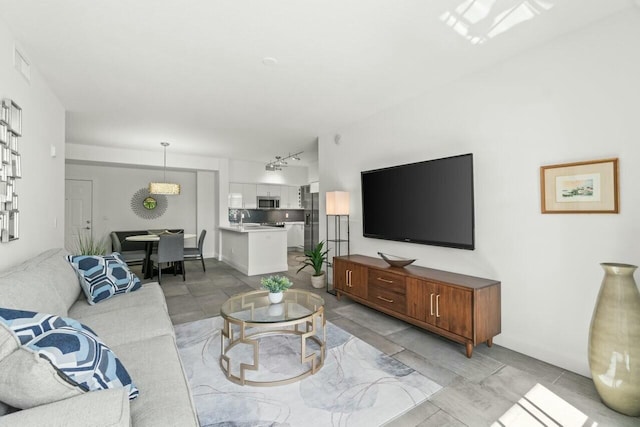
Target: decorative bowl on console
(395, 261)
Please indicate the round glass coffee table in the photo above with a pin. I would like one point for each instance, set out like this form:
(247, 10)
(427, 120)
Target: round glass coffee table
(249, 317)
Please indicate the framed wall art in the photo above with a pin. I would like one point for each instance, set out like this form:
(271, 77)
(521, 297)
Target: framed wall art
(581, 187)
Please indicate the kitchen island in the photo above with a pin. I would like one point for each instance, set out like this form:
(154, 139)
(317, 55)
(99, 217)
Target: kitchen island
(254, 249)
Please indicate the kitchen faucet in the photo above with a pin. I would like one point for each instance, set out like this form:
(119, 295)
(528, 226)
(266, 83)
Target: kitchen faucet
(242, 215)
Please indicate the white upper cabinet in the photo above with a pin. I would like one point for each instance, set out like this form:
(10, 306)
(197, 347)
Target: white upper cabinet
(244, 196)
(268, 190)
(249, 196)
(235, 196)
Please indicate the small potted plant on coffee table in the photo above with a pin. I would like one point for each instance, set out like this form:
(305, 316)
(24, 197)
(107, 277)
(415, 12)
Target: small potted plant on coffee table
(315, 258)
(276, 285)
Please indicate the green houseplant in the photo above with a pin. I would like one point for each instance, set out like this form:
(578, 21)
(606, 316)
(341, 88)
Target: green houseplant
(276, 285)
(87, 245)
(315, 258)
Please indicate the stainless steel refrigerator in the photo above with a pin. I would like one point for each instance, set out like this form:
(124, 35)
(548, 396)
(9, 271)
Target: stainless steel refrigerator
(311, 217)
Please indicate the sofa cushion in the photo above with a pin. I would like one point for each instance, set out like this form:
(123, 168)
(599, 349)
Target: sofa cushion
(38, 284)
(104, 408)
(102, 277)
(165, 398)
(150, 294)
(129, 325)
(52, 360)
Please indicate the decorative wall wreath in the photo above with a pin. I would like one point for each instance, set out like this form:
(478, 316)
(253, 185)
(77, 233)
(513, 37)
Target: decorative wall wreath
(148, 206)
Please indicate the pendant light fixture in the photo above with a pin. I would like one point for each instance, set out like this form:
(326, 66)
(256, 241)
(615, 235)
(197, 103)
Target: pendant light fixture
(164, 187)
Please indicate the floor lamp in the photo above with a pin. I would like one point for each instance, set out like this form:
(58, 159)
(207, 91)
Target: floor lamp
(338, 208)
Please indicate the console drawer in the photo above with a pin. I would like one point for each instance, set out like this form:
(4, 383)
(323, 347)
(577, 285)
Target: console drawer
(390, 281)
(383, 296)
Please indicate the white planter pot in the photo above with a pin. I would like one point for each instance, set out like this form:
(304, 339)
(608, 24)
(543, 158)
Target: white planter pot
(276, 310)
(275, 297)
(319, 282)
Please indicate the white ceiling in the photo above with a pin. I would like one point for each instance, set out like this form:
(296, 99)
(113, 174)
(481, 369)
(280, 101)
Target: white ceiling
(191, 72)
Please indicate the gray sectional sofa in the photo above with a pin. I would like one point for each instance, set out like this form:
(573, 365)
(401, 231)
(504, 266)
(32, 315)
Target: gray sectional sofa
(136, 326)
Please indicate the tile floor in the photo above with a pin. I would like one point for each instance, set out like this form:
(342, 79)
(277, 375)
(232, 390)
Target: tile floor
(475, 392)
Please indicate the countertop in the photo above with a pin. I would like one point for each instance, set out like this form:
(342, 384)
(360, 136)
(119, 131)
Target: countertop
(249, 228)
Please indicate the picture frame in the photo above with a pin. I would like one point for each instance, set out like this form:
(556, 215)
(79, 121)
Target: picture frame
(580, 187)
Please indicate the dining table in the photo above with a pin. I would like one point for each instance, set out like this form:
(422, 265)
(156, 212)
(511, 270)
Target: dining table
(149, 239)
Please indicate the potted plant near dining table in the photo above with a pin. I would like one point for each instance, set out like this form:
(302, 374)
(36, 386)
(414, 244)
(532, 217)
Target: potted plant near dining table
(276, 285)
(315, 258)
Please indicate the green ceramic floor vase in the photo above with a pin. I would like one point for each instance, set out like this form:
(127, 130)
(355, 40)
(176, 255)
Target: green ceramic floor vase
(614, 340)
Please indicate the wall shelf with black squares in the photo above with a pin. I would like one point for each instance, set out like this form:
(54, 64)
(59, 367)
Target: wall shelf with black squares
(10, 168)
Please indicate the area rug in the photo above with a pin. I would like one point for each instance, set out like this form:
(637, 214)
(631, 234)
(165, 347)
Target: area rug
(357, 386)
(541, 407)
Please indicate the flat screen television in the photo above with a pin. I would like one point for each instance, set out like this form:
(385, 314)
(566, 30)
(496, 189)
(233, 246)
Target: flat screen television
(429, 202)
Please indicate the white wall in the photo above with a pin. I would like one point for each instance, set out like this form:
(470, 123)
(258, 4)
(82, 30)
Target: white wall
(204, 180)
(207, 214)
(41, 188)
(570, 100)
(254, 172)
(113, 188)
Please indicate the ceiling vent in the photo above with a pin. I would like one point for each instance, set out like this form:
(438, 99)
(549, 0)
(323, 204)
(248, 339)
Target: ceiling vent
(21, 64)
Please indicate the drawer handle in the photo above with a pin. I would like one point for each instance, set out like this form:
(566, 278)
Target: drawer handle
(385, 280)
(385, 299)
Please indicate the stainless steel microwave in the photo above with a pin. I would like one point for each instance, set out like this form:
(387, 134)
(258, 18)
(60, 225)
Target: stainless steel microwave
(267, 202)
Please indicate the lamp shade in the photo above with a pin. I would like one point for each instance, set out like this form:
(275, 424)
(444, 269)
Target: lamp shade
(337, 203)
(166, 188)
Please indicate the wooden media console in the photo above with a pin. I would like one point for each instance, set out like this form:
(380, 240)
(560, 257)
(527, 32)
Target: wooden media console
(465, 309)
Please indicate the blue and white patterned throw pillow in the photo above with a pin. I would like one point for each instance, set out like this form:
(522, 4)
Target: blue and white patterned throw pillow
(83, 359)
(27, 325)
(72, 349)
(102, 277)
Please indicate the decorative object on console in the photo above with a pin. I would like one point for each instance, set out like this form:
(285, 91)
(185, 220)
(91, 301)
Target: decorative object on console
(164, 187)
(281, 162)
(102, 277)
(142, 206)
(276, 285)
(614, 340)
(10, 169)
(316, 259)
(395, 261)
(337, 206)
(581, 187)
(63, 358)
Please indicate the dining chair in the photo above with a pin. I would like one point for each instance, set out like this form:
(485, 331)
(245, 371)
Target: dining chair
(170, 250)
(130, 256)
(191, 254)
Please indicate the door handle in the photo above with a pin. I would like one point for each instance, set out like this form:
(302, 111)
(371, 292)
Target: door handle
(438, 305)
(431, 301)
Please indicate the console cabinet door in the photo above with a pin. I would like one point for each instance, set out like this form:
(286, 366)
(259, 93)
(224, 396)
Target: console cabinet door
(417, 303)
(350, 278)
(454, 309)
(440, 305)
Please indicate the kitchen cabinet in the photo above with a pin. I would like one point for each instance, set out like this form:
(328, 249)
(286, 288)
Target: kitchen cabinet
(289, 197)
(268, 190)
(235, 196)
(465, 309)
(249, 197)
(295, 234)
(294, 197)
(242, 196)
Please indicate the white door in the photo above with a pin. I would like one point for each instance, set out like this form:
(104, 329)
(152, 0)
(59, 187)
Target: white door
(77, 211)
